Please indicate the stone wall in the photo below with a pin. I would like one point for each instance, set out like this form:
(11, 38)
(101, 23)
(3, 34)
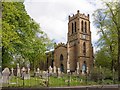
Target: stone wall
(61, 49)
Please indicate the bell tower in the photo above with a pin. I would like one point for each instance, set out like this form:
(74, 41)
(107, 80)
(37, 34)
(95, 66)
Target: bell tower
(79, 45)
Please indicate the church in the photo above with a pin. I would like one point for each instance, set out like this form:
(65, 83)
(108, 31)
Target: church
(77, 54)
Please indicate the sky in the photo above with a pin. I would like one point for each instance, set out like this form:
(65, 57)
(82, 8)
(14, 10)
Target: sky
(52, 15)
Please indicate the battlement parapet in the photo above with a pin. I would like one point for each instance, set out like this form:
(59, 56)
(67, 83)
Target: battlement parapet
(61, 44)
(78, 15)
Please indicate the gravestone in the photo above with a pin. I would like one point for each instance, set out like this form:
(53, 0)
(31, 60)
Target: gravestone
(78, 68)
(23, 72)
(59, 72)
(44, 74)
(50, 70)
(38, 72)
(54, 69)
(5, 75)
(27, 75)
(12, 72)
(68, 67)
(18, 70)
(28, 70)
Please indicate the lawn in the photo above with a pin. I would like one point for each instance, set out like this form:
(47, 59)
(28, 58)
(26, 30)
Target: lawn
(53, 82)
(32, 82)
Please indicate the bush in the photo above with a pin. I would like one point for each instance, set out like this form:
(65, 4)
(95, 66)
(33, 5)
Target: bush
(108, 74)
(96, 75)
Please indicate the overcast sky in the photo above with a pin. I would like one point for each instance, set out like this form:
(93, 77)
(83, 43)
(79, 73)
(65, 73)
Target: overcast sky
(52, 15)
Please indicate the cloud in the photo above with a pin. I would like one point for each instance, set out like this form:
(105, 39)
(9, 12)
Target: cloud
(53, 15)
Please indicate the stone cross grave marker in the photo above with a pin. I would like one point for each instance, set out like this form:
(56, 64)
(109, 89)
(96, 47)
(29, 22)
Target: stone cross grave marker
(18, 70)
(12, 71)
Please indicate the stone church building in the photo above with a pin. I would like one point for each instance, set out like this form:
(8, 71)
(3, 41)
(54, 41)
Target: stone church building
(77, 53)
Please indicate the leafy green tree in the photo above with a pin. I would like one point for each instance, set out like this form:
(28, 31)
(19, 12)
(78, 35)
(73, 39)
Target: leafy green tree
(21, 35)
(102, 58)
(106, 20)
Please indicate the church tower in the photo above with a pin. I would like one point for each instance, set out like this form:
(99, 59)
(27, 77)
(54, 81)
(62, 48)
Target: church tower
(79, 47)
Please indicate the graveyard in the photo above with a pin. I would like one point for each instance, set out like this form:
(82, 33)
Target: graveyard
(51, 78)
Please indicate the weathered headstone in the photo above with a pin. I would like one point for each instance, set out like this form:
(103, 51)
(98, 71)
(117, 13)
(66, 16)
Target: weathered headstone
(27, 76)
(38, 70)
(23, 71)
(28, 71)
(59, 72)
(54, 69)
(18, 70)
(5, 75)
(78, 68)
(50, 70)
(68, 67)
(24, 74)
(12, 71)
(45, 74)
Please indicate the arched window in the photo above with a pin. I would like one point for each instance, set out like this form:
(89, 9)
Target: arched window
(75, 26)
(84, 48)
(85, 27)
(82, 26)
(72, 28)
(61, 57)
(84, 67)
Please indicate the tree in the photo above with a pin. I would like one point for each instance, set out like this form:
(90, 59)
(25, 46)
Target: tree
(21, 35)
(102, 58)
(106, 20)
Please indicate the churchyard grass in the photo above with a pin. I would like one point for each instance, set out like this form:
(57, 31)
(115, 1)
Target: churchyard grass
(32, 82)
(74, 81)
(53, 82)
